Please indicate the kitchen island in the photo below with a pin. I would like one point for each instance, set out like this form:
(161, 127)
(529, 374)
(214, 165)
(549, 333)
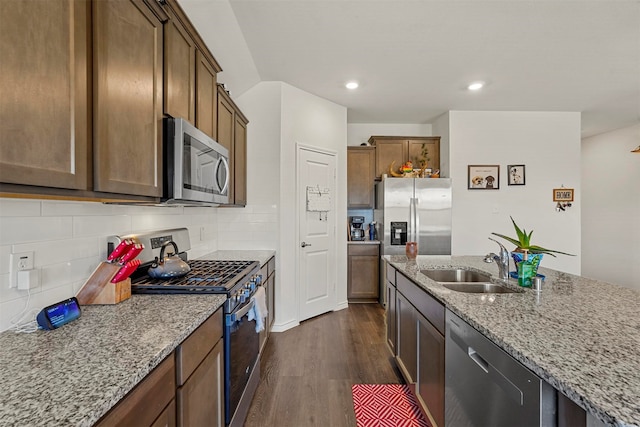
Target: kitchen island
(74, 375)
(580, 335)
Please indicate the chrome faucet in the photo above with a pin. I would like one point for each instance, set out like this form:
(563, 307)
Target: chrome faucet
(502, 260)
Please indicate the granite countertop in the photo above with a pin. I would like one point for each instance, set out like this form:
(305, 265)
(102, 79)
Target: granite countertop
(73, 375)
(580, 335)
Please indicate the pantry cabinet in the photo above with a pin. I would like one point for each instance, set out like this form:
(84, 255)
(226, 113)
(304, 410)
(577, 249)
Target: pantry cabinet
(128, 96)
(232, 134)
(399, 149)
(360, 177)
(45, 127)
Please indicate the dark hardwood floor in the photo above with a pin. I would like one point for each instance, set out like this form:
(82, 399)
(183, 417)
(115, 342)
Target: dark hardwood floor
(308, 371)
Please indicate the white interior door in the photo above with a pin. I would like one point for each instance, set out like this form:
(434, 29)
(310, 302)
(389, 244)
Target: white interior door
(316, 231)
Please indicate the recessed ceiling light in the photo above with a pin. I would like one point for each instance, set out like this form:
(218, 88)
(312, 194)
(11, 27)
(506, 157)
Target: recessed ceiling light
(352, 85)
(475, 86)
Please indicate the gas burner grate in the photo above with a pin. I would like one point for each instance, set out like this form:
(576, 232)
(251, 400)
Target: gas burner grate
(206, 276)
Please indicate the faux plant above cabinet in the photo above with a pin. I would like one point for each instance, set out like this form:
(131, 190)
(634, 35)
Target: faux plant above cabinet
(232, 134)
(360, 176)
(190, 73)
(399, 149)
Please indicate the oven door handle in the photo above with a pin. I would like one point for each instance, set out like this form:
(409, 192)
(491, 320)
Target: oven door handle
(242, 312)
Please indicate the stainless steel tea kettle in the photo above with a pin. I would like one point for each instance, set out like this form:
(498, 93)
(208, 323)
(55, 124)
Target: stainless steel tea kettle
(172, 266)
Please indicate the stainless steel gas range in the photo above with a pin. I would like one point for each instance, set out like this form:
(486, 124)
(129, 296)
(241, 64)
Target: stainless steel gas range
(238, 280)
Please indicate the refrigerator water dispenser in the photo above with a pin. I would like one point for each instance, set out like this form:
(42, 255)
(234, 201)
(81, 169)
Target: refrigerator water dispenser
(398, 233)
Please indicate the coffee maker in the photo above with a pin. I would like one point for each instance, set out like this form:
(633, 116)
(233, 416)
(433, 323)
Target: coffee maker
(356, 224)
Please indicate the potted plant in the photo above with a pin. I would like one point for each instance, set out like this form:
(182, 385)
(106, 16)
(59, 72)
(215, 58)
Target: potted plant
(523, 243)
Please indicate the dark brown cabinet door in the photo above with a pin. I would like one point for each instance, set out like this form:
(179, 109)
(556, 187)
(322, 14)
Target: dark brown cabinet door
(200, 401)
(431, 369)
(399, 149)
(44, 117)
(128, 52)
(225, 128)
(407, 342)
(391, 318)
(363, 272)
(360, 177)
(179, 71)
(239, 161)
(388, 151)
(432, 146)
(206, 99)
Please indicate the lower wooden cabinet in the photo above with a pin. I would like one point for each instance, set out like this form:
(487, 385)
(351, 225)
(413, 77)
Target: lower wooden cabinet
(430, 381)
(149, 401)
(363, 283)
(268, 272)
(407, 343)
(200, 401)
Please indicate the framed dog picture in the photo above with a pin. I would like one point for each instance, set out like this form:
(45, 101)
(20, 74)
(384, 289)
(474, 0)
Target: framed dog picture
(515, 174)
(483, 177)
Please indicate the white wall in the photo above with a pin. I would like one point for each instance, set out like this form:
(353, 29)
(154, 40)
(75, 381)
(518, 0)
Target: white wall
(282, 115)
(611, 207)
(548, 144)
(69, 239)
(357, 133)
(441, 128)
(312, 121)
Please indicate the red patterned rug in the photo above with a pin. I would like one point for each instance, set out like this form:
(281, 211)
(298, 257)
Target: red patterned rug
(386, 405)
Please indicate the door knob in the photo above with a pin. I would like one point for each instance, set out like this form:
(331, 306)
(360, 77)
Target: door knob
(305, 244)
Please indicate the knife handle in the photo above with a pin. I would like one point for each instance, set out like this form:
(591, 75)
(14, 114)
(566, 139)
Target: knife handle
(132, 253)
(125, 271)
(120, 250)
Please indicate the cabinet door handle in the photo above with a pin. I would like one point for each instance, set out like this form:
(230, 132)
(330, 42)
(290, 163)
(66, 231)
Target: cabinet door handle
(305, 244)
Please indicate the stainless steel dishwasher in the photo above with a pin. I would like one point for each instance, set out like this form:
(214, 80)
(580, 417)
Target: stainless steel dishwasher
(484, 386)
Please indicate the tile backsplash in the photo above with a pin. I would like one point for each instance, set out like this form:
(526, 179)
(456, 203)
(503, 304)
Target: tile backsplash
(69, 240)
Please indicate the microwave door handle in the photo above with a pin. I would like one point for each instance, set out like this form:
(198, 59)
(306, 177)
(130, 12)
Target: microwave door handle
(223, 161)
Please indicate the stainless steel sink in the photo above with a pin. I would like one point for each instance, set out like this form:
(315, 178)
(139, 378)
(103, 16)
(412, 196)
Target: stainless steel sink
(478, 288)
(456, 275)
(467, 281)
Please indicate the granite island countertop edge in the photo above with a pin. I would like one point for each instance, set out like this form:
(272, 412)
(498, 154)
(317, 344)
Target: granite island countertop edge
(529, 305)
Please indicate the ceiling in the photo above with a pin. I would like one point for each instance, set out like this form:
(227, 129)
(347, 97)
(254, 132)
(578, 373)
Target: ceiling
(414, 59)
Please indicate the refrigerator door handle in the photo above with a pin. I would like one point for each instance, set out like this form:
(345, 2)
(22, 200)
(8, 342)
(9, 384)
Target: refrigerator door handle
(416, 220)
(412, 231)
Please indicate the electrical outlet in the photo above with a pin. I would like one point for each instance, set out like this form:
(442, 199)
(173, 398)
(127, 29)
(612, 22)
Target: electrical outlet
(19, 262)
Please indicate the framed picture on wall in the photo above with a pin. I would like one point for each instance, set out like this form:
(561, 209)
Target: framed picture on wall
(515, 174)
(483, 177)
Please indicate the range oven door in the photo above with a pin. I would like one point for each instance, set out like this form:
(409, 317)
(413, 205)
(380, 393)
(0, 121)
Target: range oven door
(241, 353)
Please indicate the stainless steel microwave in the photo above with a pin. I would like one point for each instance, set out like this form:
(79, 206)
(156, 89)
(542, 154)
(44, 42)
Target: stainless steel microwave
(196, 166)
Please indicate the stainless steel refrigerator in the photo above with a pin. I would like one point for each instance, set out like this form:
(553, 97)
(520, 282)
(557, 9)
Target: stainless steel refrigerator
(413, 209)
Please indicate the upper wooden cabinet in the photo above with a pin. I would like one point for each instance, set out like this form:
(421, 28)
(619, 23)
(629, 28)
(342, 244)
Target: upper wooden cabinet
(232, 134)
(44, 113)
(403, 148)
(128, 64)
(190, 73)
(360, 177)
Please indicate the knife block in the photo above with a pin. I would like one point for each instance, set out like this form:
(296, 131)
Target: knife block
(98, 288)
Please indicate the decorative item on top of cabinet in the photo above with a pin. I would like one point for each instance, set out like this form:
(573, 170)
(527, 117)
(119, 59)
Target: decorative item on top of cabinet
(403, 148)
(360, 177)
(190, 72)
(363, 283)
(232, 134)
(45, 128)
(128, 115)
